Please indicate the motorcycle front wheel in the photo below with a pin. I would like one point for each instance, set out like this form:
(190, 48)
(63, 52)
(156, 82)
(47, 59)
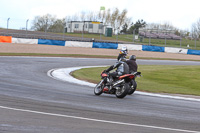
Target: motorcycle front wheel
(122, 91)
(98, 89)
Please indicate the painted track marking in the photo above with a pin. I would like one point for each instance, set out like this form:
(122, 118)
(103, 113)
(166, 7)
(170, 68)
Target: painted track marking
(98, 120)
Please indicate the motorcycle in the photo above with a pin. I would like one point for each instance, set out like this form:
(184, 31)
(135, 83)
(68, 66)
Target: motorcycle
(133, 83)
(120, 87)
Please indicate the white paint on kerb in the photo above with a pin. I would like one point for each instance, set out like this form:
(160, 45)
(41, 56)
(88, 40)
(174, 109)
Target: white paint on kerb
(63, 74)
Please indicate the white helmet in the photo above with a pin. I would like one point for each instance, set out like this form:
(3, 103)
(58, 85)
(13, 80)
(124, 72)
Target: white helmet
(124, 50)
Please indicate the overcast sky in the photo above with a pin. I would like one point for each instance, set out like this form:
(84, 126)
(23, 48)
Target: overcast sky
(180, 13)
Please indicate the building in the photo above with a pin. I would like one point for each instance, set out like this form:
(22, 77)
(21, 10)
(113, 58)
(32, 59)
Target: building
(85, 26)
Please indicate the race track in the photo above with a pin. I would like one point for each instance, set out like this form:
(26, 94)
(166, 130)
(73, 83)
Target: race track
(32, 102)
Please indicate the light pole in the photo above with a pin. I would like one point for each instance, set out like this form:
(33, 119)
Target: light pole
(26, 26)
(8, 22)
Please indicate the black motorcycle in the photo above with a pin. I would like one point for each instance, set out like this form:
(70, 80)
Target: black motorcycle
(120, 86)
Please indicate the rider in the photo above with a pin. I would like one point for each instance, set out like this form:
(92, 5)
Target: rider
(132, 67)
(123, 52)
(132, 64)
(122, 68)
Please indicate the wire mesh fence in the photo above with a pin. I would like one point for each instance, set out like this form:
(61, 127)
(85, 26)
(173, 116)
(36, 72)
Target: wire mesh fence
(22, 29)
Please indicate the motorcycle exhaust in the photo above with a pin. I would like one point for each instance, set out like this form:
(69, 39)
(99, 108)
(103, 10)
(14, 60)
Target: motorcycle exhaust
(118, 82)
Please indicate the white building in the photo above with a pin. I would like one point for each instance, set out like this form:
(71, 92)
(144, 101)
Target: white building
(86, 27)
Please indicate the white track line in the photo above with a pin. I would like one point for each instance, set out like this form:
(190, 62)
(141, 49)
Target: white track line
(63, 74)
(98, 120)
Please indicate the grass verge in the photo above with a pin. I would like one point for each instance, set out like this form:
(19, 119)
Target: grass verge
(156, 78)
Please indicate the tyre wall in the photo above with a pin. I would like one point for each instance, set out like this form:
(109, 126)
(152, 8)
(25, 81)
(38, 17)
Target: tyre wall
(9, 39)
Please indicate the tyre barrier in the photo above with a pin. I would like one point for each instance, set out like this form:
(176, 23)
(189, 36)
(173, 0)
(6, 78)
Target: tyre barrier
(10, 39)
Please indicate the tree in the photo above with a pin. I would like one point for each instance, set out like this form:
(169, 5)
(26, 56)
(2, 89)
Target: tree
(48, 23)
(195, 29)
(124, 28)
(139, 24)
(114, 17)
(135, 27)
(58, 26)
(43, 23)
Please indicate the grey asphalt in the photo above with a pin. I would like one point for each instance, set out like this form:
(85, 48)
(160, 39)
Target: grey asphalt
(24, 84)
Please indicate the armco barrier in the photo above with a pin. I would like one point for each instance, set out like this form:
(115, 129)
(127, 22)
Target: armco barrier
(78, 44)
(194, 52)
(105, 45)
(176, 50)
(51, 42)
(153, 48)
(7, 39)
(130, 46)
(24, 41)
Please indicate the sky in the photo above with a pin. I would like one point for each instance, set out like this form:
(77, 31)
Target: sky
(179, 13)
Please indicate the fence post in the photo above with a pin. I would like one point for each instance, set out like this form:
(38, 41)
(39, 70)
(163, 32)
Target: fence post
(117, 37)
(63, 31)
(149, 40)
(133, 35)
(195, 42)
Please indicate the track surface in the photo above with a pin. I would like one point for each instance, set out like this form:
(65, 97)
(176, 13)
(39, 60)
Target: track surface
(72, 108)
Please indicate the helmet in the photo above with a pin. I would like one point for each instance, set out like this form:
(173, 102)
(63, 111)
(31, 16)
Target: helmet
(124, 50)
(132, 57)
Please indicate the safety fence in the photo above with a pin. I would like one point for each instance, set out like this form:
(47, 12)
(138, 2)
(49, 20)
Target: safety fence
(10, 39)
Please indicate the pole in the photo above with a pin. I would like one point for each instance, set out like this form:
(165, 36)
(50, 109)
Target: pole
(195, 42)
(133, 35)
(117, 36)
(26, 26)
(149, 40)
(8, 22)
(63, 30)
(83, 29)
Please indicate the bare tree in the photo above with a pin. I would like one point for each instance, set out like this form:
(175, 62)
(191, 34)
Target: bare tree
(114, 18)
(107, 17)
(83, 16)
(102, 16)
(121, 20)
(195, 29)
(75, 17)
(43, 23)
(48, 23)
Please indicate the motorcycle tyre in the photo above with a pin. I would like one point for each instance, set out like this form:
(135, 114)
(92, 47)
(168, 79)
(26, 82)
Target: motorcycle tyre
(131, 91)
(123, 94)
(100, 91)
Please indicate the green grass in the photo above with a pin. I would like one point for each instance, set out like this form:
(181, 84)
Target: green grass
(156, 42)
(157, 78)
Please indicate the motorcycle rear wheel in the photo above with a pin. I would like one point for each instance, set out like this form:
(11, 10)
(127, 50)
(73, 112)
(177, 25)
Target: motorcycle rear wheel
(122, 92)
(98, 89)
(132, 90)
